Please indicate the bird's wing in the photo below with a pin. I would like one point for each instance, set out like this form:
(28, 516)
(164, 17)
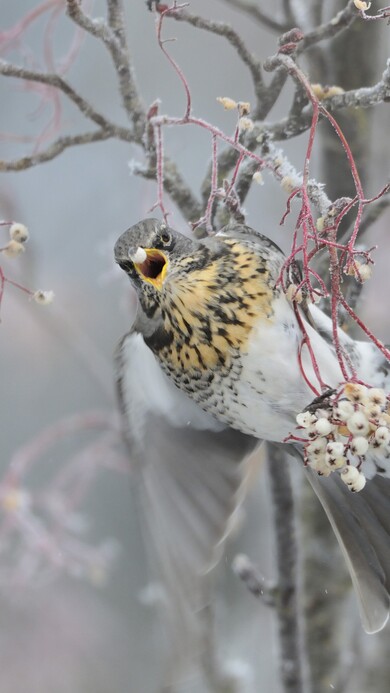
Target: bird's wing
(246, 233)
(189, 471)
(361, 522)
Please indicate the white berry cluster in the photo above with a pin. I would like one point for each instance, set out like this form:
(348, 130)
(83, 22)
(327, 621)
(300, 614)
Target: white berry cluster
(344, 430)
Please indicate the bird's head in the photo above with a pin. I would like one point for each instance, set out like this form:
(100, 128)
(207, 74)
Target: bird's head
(149, 252)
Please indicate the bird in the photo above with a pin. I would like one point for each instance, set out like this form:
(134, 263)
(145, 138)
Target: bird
(208, 371)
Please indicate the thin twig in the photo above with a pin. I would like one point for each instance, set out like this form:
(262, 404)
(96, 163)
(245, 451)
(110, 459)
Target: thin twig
(353, 288)
(256, 584)
(260, 16)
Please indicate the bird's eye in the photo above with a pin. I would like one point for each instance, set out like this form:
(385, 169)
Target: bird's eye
(165, 237)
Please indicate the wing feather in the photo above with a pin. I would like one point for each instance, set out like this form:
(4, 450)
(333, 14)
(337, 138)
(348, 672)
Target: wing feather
(190, 470)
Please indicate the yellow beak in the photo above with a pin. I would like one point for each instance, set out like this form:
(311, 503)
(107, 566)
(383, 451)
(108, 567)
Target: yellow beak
(154, 268)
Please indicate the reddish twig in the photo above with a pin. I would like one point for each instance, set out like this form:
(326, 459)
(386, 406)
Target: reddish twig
(178, 70)
(383, 13)
(306, 342)
(341, 255)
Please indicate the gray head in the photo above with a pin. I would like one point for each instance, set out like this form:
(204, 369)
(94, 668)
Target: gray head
(148, 252)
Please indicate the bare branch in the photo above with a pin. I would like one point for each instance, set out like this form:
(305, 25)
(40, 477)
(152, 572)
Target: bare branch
(323, 596)
(115, 40)
(116, 20)
(271, 93)
(96, 27)
(364, 97)
(316, 11)
(286, 556)
(289, 13)
(174, 184)
(337, 24)
(54, 80)
(56, 148)
(295, 124)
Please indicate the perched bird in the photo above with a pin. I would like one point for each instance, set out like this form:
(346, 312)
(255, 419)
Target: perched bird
(209, 369)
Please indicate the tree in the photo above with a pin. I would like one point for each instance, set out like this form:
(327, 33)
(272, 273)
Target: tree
(327, 223)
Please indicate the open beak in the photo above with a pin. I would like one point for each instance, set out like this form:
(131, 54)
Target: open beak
(151, 264)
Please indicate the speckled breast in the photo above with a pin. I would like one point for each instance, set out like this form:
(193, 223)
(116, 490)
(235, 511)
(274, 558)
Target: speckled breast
(208, 316)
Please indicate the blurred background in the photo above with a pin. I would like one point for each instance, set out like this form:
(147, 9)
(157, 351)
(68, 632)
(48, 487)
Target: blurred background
(93, 631)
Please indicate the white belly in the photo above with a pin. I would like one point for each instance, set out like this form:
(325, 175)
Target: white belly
(271, 390)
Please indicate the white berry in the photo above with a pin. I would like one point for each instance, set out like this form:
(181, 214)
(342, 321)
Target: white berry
(335, 449)
(317, 447)
(382, 435)
(305, 419)
(359, 445)
(323, 427)
(343, 410)
(377, 396)
(349, 475)
(358, 424)
(336, 462)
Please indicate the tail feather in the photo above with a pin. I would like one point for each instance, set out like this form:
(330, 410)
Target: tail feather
(361, 523)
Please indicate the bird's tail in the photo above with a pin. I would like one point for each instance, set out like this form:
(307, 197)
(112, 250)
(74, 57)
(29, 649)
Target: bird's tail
(361, 522)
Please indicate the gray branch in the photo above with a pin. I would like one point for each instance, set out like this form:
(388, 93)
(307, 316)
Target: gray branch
(54, 80)
(54, 149)
(114, 38)
(326, 587)
(341, 21)
(286, 555)
(364, 97)
(256, 13)
(289, 13)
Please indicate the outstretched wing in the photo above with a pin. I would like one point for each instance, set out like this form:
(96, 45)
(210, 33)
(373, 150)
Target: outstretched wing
(190, 470)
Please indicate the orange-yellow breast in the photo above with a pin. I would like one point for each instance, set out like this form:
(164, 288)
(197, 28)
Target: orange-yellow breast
(212, 310)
